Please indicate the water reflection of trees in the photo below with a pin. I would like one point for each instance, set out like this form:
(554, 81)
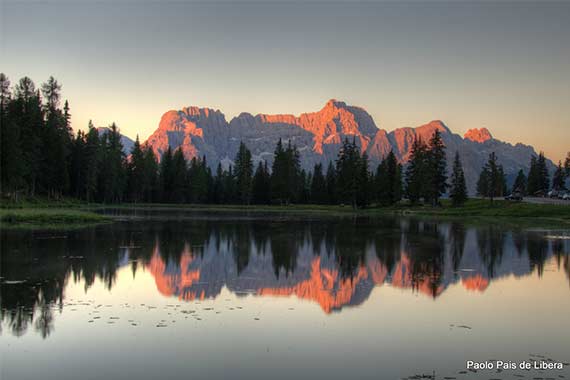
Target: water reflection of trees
(46, 262)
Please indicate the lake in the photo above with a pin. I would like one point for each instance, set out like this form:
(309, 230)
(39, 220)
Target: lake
(174, 294)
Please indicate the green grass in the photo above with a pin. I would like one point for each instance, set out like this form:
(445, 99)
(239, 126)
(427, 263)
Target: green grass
(499, 211)
(44, 213)
(48, 218)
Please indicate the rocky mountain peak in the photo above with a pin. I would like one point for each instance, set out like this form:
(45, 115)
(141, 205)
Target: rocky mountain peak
(479, 135)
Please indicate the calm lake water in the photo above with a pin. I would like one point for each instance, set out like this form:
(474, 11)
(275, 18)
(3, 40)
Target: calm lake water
(172, 294)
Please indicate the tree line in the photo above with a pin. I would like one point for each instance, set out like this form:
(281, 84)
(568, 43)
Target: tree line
(492, 181)
(42, 156)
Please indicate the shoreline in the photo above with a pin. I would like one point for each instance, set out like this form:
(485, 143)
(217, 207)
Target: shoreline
(70, 214)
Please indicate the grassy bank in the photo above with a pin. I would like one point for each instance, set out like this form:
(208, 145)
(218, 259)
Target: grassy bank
(52, 217)
(38, 212)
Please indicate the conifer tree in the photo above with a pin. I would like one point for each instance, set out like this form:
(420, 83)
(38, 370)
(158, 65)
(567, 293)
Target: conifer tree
(458, 192)
(11, 164)
(416, 171)
(135, 173)
(318, 186)
(520, 183)
(262, 184)
(150, 179)
(167, 176)
(179, 177)
(113, 165)
(93, 154)
(559, 178)
(331, 184)
(55, 175)
(491, 183)
(436, 164)
(244, 174)
(388, 180)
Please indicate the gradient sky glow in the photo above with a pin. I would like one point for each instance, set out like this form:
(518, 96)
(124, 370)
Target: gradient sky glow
(504, 65)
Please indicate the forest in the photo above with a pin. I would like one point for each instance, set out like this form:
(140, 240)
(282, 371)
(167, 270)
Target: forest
(42, 156)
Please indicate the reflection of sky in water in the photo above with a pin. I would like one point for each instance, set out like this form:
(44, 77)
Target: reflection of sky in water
(401, 313)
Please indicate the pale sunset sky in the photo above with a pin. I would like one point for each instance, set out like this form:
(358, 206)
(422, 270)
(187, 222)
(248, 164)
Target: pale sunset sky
(500, 65)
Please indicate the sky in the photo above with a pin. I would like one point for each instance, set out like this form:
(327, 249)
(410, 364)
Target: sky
(500, 65)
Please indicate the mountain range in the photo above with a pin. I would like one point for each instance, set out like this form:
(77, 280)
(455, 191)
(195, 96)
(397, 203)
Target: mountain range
(319, 135)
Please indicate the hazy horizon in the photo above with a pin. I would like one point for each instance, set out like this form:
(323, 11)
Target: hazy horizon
(503, 66)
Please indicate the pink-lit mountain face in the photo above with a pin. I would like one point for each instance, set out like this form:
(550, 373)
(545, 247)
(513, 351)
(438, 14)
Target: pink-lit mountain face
(319, 135)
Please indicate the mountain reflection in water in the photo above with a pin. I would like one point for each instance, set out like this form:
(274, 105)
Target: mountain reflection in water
(335, 263)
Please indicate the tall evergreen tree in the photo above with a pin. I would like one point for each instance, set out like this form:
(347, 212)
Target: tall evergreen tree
(151, 178)
(135, 173)
(520, 183)
(198, 177)
(458, 192)
(388, 180)
(285, 173)
(559, 178)
(436, 167)
(27, 112)
(416, 171)
(55, 174)
(318, 186)
(113, 165)
(262, 184)
(492, 182)
(179, 179)
(11, 164)
(166, 176)
(244, 174)
(331, 184)
(93, 155)
(352, 176)
(543, 170)
(538, 177)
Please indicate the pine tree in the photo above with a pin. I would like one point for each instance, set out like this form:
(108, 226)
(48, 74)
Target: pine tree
(262, 184)
(331, 184)
(544, 178)
(533, 177)
(538, 177)
(347, 171)
(57, 136)
(150, 180)
(352, 175)
(294, 181)
(285, 173)
(113, 165)
(93, 154)
(77, 166)
(388, 181)
(166, 176)
(26, 110)
(135, 173)
(198, 177)
(559, 178)
(416, 171)
(567, 165)
(217, 188)
(364, 182)
(11, 163)
(436, 167)
(520, 183)
(458, 192)
(492, 182)
(179, 178)
(318, 186)
(244, 174)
